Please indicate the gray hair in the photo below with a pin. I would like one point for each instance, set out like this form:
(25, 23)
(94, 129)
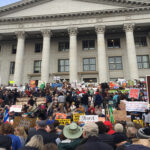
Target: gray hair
(118, 127)
(36, 141)
(91, 129)
(131, 132)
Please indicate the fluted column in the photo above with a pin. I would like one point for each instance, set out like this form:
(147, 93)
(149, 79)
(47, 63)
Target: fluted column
(102, 60)
(73, 55)
(45, 56)
(131, 52)
(19, 57)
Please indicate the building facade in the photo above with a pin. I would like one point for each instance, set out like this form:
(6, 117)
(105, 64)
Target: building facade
(76, 40)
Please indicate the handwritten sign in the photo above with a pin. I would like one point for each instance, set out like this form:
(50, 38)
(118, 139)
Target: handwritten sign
(61, 116)
(140, 122)
(64, 121)
(16, 108)
(89, 118)
(24, 122)
(119, 115)
(76, 116)
(136, 106)
(134, 93)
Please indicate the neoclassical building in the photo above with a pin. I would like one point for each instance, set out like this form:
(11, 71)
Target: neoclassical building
(76, 40)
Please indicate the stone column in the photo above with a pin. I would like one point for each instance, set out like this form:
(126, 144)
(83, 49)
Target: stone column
(73, 61)
(19, 57)
(102, 59)
(45, 56)
(131, 52)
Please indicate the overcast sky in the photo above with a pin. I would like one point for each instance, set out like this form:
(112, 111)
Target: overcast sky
(6, 2)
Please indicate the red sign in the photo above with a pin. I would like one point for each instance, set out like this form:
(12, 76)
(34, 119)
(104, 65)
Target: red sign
(134, 93)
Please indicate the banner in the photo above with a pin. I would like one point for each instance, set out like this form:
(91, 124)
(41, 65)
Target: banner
(61, 116)
(64, 121)
(89, 118)
(134, 93)
(136, 106)
(53, 85)
(148, 87)
(16, 108)
(76, 116)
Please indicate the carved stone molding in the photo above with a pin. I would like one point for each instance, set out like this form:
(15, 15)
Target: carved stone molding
(72, 31)
(100, 29)
(46, 32)
(20, 34)
(129, 27)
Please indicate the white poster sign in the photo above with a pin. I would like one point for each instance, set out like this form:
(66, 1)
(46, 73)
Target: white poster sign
(136, 106)
(16, 108)
(89, 118)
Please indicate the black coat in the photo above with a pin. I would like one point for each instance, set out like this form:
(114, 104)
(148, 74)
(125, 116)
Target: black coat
(47, 137)
(94, 143)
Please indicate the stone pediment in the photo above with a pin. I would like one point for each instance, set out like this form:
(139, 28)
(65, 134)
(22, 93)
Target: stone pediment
(61, 7)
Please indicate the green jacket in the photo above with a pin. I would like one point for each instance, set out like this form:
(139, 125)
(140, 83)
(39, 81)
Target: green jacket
(69, 145)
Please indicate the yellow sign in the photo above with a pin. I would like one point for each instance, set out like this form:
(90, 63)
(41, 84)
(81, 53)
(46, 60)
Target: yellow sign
(76, 116)
(139, 122)
(11, 82)
(64, 121)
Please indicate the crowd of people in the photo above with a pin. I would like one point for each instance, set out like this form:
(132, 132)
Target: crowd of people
(49, 134)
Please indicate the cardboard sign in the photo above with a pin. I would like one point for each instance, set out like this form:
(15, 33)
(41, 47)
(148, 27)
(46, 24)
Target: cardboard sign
(24, 122)
(119, 115)
(61, 116)
(89, 118)
(16, 108)
(140, 122)
(134, 93)
(136, 106)
(64, 121)
(76, 116)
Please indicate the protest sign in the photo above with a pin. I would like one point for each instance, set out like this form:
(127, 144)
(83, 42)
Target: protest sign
(61, 116)
(134, 93)
(76, 116)
(101, 119)
(89, 118)
(32, 83)
(136, 106)
(64, 121)
(11, 82)
(16, 108)
(24, 122)
(148, 87)
(140, 122)
(53, 85)
(119, 115)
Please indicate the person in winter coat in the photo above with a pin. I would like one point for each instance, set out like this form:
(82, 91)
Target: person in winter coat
(98, 99)
(91, 139)
(36, 143)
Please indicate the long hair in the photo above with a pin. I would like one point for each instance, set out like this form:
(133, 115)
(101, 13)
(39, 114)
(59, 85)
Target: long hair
(20, 132)
(36, 141)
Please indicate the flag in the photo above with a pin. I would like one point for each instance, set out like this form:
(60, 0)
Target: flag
(6, 115)
(111, 115)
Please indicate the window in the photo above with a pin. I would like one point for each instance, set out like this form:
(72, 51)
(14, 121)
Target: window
(88, 44)
(143, 62)
(63, 65)
(89, 64)
(115, 63)
(90, 80)
(38, 47)
(37, 66)
(140, 41)
(14, 49)
(63, 46)
(113, 43)
(12, 67)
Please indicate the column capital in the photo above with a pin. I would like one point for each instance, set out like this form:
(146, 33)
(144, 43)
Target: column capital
(20, 34)
(100, 29)
(46, 32)
(72, 31)
(129, 27)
